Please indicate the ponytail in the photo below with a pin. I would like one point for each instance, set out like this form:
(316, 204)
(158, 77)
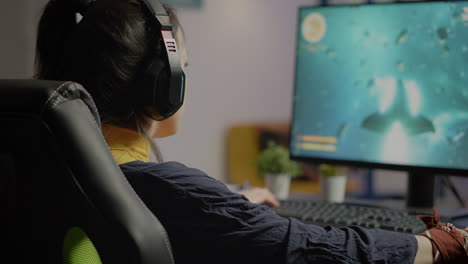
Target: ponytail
(56, 24)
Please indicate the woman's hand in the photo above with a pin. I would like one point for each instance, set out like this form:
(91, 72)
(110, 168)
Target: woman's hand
(260, 196)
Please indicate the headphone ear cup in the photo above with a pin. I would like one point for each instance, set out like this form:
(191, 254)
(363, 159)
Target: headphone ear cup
(156, 85)
(161, 91)
(163, 82)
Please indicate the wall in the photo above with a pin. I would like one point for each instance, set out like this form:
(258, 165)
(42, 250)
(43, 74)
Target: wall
(18, 24)
(17, 42)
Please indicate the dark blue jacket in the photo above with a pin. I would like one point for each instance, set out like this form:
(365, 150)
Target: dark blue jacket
(207, 223)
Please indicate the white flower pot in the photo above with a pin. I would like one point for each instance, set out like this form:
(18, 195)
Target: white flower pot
(278, 184)
(333, 188)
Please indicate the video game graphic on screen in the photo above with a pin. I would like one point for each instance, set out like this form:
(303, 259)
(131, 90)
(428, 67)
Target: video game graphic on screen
(383, 83)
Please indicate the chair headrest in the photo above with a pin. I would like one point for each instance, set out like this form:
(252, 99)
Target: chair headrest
(38, 96)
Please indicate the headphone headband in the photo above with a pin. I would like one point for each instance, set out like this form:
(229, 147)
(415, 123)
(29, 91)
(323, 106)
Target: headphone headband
(155, 7)
(163, 85)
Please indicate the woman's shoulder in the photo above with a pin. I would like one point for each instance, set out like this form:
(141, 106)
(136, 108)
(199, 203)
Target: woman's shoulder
(174, 181)
(163, 168)
(170, 172)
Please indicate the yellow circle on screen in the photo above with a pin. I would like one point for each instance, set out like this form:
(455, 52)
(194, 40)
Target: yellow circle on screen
(314, 27)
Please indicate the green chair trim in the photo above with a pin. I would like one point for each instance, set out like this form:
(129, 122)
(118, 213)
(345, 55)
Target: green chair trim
(78, 248)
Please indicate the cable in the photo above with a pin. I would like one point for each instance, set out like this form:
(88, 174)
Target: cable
(449, 183)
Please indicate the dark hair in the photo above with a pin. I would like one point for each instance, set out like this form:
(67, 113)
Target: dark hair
(104, 52)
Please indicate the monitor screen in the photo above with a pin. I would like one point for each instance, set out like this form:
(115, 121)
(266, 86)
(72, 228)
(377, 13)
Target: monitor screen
(383, 85)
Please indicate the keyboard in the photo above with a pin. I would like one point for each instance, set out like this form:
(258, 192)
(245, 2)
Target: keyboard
(347, 214)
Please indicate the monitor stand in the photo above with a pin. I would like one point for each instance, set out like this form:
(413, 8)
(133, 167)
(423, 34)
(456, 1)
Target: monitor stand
(420, 198)
(420, 192)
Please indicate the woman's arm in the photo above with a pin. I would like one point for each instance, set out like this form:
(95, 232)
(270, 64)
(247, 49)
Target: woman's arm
(424, 253)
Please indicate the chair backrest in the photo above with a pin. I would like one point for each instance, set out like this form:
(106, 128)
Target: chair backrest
(64, 198)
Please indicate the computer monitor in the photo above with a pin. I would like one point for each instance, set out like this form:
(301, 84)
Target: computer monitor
(384, 86)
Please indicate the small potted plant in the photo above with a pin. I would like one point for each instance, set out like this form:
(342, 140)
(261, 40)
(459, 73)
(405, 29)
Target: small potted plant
(333, 182)
(274, 164)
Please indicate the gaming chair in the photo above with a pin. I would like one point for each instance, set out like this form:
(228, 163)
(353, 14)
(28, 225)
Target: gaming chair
(65, 200)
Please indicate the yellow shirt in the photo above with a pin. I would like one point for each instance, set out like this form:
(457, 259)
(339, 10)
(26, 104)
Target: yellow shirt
(126, 145)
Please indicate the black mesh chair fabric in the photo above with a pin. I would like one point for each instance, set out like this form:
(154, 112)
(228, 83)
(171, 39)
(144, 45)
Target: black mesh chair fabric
(56, 172)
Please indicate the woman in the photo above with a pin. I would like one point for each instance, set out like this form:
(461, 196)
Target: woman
(207, 223)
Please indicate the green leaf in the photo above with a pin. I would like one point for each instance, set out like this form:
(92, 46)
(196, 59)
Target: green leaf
(274, 159)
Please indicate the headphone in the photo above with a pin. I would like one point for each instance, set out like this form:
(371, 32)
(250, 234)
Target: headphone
(162, 84)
